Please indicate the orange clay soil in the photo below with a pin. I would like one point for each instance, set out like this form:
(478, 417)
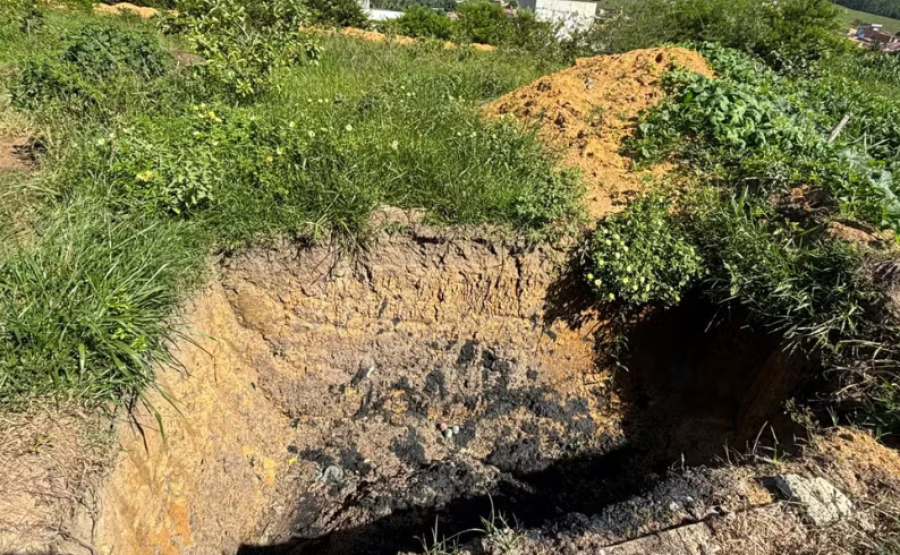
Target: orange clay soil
(588, 110)
(123, 8)
(375, 36)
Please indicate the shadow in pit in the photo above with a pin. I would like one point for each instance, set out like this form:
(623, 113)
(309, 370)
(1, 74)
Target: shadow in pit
(700, 383)
(583, 485)
(697, 381)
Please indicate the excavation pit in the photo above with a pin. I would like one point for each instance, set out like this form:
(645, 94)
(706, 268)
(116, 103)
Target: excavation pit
(344, 404)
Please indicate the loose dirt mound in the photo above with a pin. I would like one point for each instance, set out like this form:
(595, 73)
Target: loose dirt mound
(124, 8)
(590, 108)
(375, 36)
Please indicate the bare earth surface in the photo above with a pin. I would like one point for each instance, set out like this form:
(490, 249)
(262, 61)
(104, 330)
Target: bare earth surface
(589, 109)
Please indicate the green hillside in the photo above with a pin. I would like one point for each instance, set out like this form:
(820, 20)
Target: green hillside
(850, 17)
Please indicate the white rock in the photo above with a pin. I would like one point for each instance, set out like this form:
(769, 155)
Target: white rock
(820, 502)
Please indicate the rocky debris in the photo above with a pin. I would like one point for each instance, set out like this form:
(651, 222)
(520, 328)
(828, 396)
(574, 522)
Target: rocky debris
(820, 502)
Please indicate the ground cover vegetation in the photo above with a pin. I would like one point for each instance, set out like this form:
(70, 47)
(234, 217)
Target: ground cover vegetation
(165, 143)
(756, 135)
(229, 124)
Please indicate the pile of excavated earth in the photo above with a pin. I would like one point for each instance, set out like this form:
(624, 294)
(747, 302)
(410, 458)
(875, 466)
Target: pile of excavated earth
(376, 403)
(588, 110)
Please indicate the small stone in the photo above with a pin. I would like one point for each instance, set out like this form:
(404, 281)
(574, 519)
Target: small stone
(448, 433)
(819, 501)
(455, 430)
(442, 427)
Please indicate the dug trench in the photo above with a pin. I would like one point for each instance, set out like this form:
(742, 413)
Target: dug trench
(334, 403)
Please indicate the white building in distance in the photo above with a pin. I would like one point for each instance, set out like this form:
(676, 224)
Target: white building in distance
(573, 15)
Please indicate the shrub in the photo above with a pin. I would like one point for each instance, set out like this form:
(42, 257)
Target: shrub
(402, 5)
(787, 33)
(484, 22)
(420, 21)
(529, 33)
(641, 255)
(245, 43)
(100, 67)
(338, 13)
(102, 51)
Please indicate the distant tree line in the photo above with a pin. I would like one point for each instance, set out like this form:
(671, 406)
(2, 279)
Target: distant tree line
(403, 5)
(887, 8)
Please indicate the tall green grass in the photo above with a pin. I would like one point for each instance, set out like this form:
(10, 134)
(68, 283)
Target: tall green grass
(85, 308)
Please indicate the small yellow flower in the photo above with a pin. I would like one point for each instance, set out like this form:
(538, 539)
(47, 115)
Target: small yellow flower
(269, 159)
(312, 134)
(349, 128)
(145, 176)
(212, 115)
(292, 125)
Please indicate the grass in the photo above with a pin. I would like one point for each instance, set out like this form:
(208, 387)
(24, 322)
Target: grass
(145, 172)
(850, 18)
(86, 310)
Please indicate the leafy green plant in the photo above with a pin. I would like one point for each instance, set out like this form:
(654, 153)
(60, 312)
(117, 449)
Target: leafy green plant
(641, 255)
(245, 43)
(102, 51)
(754, 127)
(96, 60)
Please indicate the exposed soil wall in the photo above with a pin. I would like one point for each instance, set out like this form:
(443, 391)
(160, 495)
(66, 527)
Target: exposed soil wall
(316, 411)
(326, 383)
(344, 404)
